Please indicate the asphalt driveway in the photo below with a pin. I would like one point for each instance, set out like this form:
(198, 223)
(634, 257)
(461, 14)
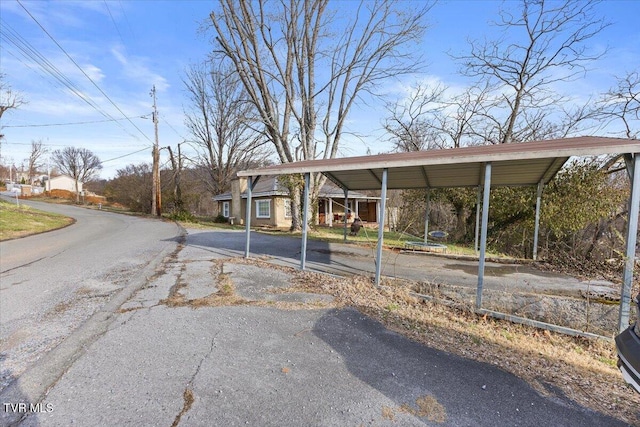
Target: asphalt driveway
(350, 258)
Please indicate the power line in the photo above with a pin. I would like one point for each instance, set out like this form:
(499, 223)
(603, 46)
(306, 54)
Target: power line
(82, 71)
(29, 52)
(113, 20)
(75, 123)
(125, 155)
(172, 128)
(60, 79)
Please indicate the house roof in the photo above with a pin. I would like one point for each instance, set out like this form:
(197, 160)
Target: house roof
(269, 186)
(512, 164)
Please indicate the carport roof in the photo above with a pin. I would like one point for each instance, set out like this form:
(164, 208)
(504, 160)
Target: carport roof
(512, 164)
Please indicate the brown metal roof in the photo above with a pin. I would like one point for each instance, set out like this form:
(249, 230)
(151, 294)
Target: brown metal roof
(512, 164)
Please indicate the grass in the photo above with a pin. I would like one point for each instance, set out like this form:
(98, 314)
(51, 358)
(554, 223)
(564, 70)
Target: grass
(369, 237)
(21, 221)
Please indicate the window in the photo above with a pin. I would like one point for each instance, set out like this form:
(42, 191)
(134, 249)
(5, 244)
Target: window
(287, 208)
(225, 209)
(263, 208)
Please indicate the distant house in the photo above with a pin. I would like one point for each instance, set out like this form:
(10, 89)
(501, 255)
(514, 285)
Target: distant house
(272, 204)
(62, 182)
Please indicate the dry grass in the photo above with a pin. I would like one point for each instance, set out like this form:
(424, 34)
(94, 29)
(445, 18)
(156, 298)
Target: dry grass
(428, 407)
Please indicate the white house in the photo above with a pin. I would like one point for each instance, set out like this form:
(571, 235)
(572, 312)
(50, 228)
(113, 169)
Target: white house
(62, 182)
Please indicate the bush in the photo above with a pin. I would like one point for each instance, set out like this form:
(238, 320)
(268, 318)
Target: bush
(182, 216)
(221, 219)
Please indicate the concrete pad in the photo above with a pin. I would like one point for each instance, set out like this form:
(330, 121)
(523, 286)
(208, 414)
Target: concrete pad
(199, 278)
(155, 290)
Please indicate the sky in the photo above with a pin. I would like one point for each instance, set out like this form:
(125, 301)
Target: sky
(111, 53)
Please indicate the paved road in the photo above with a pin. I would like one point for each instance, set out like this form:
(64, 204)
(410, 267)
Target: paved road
(51, 283)
(277, 359)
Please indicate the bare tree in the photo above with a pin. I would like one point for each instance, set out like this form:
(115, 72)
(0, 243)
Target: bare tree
(432, 118)
(621, 104)
(176, 166)
(411, 120)
(34, 163)
(131, 187)
(541, 46)
(79, 163)
(304, 67)
(220, 121)
(9, 99)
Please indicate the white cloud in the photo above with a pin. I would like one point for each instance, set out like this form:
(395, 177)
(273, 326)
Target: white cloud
(136, 69)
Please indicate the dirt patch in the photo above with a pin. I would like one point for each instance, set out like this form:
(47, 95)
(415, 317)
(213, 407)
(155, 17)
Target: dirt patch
(188, 401)
(427, 407)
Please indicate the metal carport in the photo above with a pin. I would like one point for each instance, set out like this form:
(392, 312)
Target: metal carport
(524, 164)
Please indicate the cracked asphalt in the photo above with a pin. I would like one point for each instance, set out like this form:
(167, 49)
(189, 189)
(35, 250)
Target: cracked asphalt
(181, 352)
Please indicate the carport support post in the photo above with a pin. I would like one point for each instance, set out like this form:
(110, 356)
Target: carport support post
(247, 221)
(346, 203)
(383, 203)
(483, 232)
(536, 228)
(305, 219)
(632, 232)
(478, 201)
(426, 215)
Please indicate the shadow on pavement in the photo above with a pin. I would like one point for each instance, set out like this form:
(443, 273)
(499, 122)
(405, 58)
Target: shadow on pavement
(286, 249)
(472, 393)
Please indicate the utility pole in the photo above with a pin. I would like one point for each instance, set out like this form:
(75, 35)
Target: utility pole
(156, 205)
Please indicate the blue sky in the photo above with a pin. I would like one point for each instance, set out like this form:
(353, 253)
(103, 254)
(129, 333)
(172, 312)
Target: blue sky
(126, 47)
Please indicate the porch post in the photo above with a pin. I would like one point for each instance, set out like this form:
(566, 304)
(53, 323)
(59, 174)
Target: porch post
(383, 202)
(632, 232)
(305, 219)
(426, 215)
(536, 228)
(478, 201)
(346, 203)
(330, 212)
(247, 221)
(357, 215)
(483, 232)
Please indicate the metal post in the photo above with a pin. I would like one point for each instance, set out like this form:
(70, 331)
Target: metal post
(536, 228)
(305, 219)
(630, 254)
(483, 232)
(247, 220)
(346, 202)
(383, 202)
(426, 215)
(478, 201)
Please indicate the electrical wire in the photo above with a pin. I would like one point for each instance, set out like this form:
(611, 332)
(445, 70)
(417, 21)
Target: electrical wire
(75, 123)
(82, 71)
(60, 79)
(172, 128)
(125, 155)
(113, 20)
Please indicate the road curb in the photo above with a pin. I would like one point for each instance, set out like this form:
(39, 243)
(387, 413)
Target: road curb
(33, 385)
